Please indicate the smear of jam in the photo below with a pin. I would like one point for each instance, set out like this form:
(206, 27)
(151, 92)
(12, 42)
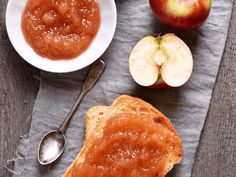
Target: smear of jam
(131, 146)
(60, 29)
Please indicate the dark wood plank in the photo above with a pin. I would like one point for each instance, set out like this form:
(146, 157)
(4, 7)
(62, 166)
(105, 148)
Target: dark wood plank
(18, 89)
(217, 151)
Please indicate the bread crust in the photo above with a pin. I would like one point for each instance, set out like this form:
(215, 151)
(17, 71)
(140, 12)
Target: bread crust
(97, 117)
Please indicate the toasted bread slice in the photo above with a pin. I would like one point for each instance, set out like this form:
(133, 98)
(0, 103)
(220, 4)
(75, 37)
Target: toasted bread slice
(98, 116)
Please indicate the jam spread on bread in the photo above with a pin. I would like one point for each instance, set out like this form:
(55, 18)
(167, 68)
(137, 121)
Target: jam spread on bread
(131, 146)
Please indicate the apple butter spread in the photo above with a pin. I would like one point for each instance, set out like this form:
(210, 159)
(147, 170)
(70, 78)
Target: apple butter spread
(60, 29)
(131, 146)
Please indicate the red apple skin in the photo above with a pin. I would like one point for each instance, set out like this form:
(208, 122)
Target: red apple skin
(160, 86)
(200, 10)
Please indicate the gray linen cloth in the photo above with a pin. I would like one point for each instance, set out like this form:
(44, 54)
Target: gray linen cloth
(186, 106)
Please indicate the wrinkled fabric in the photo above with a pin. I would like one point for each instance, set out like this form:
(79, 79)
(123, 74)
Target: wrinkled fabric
(186, 106)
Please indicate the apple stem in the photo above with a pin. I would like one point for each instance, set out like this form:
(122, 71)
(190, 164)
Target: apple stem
(157, 36)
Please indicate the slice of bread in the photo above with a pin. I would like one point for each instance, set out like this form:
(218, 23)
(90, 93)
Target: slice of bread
(97, 117)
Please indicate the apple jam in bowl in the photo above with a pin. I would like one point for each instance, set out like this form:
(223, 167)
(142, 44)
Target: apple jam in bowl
(60, 29)
(61, 35)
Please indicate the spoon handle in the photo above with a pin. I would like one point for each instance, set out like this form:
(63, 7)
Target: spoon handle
(92, 77)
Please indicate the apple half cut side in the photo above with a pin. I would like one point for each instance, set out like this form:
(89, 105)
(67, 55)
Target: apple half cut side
(155, 61)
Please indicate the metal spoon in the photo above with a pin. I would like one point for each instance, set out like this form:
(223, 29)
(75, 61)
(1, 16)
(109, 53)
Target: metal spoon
(53, 143)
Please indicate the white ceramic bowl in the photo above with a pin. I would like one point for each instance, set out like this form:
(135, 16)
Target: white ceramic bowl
(96, 49)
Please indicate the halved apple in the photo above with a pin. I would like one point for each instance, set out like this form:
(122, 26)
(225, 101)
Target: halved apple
(155, 61)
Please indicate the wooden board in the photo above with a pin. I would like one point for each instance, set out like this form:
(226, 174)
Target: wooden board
(216, 156)
(18, 89)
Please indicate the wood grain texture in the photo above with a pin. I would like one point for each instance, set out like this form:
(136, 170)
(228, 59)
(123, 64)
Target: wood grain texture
(18, 89)
(216, 155)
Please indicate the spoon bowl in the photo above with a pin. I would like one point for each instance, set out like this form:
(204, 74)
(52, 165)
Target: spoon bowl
(52, 146)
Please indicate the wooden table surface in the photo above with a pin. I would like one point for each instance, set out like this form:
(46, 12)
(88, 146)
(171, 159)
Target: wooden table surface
(216, 155)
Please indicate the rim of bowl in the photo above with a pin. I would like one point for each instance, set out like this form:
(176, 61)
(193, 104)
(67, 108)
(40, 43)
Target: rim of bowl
(73, 67)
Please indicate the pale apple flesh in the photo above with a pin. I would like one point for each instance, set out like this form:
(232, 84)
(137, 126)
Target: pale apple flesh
(141, 62)
(163, 60)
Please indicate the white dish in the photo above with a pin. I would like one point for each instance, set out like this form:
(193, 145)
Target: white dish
(96, 49)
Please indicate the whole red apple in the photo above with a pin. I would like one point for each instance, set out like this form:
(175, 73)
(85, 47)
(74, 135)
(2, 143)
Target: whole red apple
(183, 14)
